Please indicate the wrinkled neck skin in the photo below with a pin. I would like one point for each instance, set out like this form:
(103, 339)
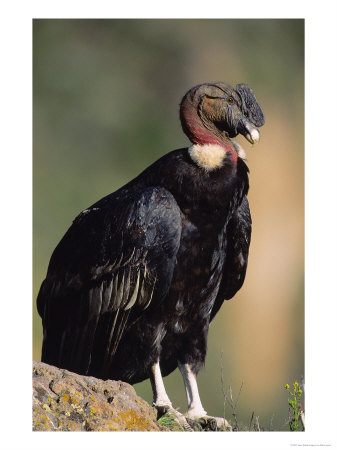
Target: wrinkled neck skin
(198, 134)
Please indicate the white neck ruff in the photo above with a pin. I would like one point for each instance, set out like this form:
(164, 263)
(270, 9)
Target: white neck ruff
(208, 156)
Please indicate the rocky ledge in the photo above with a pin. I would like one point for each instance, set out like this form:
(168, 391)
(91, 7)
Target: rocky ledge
(66, 401)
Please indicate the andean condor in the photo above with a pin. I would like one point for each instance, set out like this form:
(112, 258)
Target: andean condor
(133, 285)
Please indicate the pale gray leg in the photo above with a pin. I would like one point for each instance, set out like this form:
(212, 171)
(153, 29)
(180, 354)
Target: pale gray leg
(195, 408)
(160, 397)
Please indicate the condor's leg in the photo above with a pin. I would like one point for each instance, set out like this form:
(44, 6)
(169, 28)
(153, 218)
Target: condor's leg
(160, 397)
(161, 401)
(195, 409)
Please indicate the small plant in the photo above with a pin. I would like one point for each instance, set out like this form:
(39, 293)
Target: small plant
(295, 406)
(171, 421)
(167, 420)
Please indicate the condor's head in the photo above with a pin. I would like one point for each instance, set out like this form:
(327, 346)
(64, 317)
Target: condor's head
(211, 113)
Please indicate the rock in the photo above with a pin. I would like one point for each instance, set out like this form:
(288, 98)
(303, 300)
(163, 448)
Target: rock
(66, 401)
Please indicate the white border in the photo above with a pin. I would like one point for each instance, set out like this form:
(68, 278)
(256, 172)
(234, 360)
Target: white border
(321, 190)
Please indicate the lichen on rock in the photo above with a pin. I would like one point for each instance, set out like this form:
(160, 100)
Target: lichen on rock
(65, 401)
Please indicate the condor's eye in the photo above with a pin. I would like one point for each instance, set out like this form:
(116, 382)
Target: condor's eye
(230, 100)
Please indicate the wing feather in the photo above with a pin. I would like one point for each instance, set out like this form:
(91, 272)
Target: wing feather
(237, 237)
(134, 295)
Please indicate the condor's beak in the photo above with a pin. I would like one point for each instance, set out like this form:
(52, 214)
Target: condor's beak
(251, 133)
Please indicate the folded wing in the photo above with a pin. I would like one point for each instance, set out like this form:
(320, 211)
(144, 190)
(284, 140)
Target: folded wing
(238, 234)
(115, 262)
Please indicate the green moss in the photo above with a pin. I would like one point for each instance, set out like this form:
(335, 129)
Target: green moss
(168, 421)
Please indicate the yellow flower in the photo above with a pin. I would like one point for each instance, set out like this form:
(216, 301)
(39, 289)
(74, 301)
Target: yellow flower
(286, 386)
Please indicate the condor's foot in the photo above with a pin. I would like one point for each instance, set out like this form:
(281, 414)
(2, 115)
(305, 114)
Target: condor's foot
(162, 408)
(208, 423)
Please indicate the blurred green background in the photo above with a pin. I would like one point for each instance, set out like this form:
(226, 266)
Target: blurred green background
(106, 101)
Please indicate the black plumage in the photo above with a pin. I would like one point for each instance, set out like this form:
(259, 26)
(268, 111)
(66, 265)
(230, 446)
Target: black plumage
(140, 274)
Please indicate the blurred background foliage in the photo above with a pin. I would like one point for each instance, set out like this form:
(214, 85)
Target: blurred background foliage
(106, 100)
